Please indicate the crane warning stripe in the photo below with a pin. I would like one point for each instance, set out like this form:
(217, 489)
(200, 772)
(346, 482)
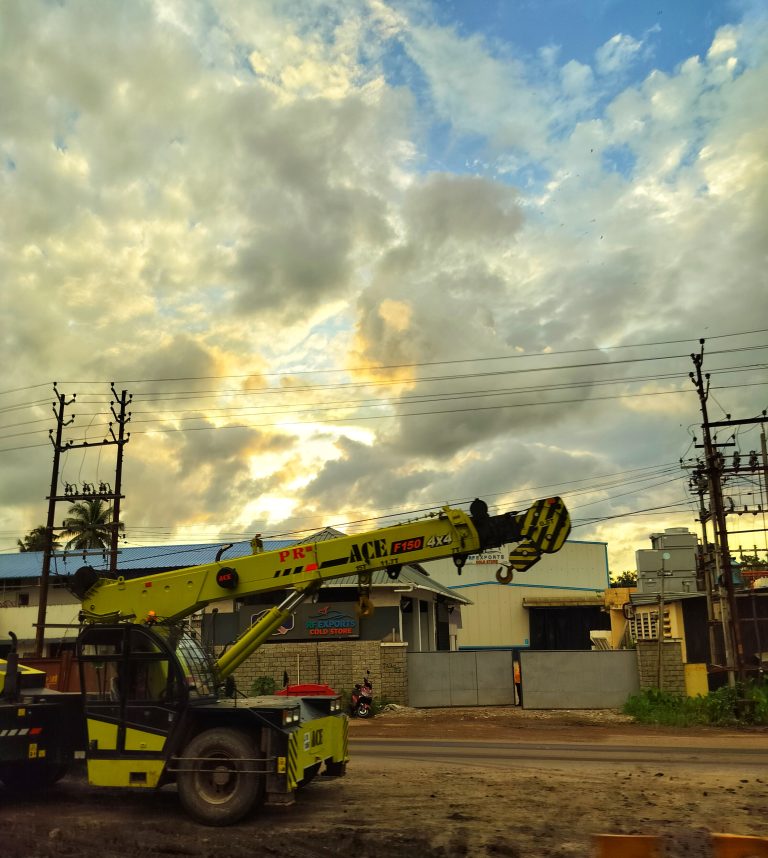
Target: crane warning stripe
(311, 567)
(339, 561)
(289, 571)
(293, 760)
(547, 525)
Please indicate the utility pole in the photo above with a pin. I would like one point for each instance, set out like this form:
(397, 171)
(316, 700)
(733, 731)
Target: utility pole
(704, 560)
(713, 466)
(58, 411)
(764, 451)
(88, 491)
(121, 439)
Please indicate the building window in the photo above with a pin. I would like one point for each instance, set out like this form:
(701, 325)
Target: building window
(23, 600)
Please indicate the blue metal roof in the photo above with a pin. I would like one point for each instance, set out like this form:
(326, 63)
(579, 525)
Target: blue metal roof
(29, 564)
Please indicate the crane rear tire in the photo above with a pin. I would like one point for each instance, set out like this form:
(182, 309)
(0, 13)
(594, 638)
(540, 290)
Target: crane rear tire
(221, 786)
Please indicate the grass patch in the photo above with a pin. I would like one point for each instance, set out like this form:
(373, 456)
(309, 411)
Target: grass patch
(745, 704)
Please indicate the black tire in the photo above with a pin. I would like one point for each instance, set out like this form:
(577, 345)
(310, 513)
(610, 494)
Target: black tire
(364, 710)
(309, 775)
(31, 777)
(335, 770)
(221, 786)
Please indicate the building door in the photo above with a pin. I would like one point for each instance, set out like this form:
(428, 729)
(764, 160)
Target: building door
(565, 628)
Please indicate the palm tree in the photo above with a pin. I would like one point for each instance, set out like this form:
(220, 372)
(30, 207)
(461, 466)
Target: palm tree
(37, 540)
(89, 525)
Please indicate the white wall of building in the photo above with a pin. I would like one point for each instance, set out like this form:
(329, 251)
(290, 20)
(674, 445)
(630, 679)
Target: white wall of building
(496, 617)
(63, 609)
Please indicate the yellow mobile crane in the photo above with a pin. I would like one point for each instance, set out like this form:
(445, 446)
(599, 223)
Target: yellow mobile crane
(159, 713)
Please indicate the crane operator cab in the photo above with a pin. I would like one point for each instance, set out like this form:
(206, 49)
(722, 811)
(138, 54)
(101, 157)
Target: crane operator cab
(139, 681)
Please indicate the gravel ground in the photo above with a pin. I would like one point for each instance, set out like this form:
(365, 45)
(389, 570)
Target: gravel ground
(402, 808)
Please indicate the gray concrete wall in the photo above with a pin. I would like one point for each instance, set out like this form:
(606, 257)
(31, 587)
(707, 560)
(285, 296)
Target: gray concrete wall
(596, 679)
(460, 678)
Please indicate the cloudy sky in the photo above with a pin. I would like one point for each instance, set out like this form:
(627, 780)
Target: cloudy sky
(355, 260)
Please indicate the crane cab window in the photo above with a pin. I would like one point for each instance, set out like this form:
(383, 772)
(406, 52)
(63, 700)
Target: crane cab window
(101, 643)
(100, 652)
(127, 664)
(197, 669)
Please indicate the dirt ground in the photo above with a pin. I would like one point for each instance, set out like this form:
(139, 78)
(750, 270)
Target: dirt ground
(386, 807)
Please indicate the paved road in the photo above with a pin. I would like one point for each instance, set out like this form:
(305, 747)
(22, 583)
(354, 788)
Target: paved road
(560, 754)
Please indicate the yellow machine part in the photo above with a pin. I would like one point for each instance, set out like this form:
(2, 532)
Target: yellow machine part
(316, 741)
(141, 740)
(23, 669)
(125, 773)
(102, 735)
(120, 772)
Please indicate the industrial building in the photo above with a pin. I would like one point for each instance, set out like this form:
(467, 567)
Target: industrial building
(553, 605)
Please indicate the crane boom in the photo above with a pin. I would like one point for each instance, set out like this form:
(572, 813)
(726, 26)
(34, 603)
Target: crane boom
(171, 596)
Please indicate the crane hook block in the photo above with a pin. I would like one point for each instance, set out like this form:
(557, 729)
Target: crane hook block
(364, 607)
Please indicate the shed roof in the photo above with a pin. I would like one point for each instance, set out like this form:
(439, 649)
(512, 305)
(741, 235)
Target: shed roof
(596, 601)
(409, 576)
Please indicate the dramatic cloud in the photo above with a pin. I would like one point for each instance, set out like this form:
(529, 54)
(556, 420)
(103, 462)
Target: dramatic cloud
(356, 259)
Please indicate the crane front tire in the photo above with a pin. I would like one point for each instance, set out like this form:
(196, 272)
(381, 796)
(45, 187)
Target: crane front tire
(220, 786)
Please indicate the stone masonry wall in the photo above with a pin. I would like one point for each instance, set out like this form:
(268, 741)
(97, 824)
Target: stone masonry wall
(394, 673)
(673, 670)
(338, 664)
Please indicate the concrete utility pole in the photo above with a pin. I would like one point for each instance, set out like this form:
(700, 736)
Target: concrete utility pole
(713, 466)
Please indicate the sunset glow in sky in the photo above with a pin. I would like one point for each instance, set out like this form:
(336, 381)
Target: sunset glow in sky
(356, 260)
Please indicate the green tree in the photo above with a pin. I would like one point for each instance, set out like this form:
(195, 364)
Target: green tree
(624, 579)
(89, 525)
(752, 561)
(37, 540)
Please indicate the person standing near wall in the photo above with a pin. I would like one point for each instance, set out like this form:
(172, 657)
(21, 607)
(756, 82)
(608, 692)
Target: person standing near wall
(518, 682)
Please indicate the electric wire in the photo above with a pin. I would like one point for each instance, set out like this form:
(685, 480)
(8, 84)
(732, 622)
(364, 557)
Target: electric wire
(368, 417)
(388, 367)
(404, 398)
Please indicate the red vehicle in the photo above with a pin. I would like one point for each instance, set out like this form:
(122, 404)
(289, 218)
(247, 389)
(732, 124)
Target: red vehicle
(361, 701)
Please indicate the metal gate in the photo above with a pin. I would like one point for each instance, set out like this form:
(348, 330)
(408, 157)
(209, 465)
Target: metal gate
(551, 679)
(572, 679)
(482, 678)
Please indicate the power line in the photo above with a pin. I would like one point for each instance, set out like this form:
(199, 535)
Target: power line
(426, 396)
(631, 475)
(368, 417)
(415, 365)
(415, 397)
(598, 520)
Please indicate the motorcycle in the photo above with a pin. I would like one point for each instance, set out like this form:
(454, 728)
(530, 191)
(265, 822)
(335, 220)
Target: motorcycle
(361, 699)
